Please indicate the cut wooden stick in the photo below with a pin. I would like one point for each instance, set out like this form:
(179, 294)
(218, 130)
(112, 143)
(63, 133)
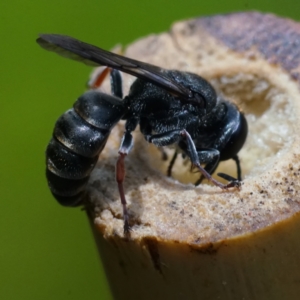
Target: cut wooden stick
(200, 242)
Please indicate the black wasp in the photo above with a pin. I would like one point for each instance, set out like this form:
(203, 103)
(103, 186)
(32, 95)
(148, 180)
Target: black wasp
(171, 107)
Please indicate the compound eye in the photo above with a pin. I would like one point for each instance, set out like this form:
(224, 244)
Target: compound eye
(236, 140)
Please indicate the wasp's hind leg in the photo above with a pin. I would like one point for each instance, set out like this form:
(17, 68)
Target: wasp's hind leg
(125, 147)
(115, 81)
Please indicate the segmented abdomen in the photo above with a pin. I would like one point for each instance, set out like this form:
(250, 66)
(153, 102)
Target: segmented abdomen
(79, 136)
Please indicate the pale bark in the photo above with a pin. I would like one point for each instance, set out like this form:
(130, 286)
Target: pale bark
(192, 242)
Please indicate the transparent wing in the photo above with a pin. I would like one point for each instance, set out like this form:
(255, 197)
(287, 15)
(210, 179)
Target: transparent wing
(93, 56)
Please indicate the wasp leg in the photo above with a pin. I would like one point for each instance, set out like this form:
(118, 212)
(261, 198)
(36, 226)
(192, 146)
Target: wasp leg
(164, 155)
(96, 82)
(146, 130)
(173, 136)
(210, 157)
(212, 166)
(176, 135)
(164, 139)
(192, 152)
(116, 83)
(238, 167)
(170, 167)
(234, 181)
(126, 145)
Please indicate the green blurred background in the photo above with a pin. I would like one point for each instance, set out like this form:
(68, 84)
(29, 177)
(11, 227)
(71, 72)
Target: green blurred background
(47, 251)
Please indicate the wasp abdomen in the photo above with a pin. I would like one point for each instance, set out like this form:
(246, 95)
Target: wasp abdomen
(68, 192)
(67, 164)
(100, 110)
(79, 136)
